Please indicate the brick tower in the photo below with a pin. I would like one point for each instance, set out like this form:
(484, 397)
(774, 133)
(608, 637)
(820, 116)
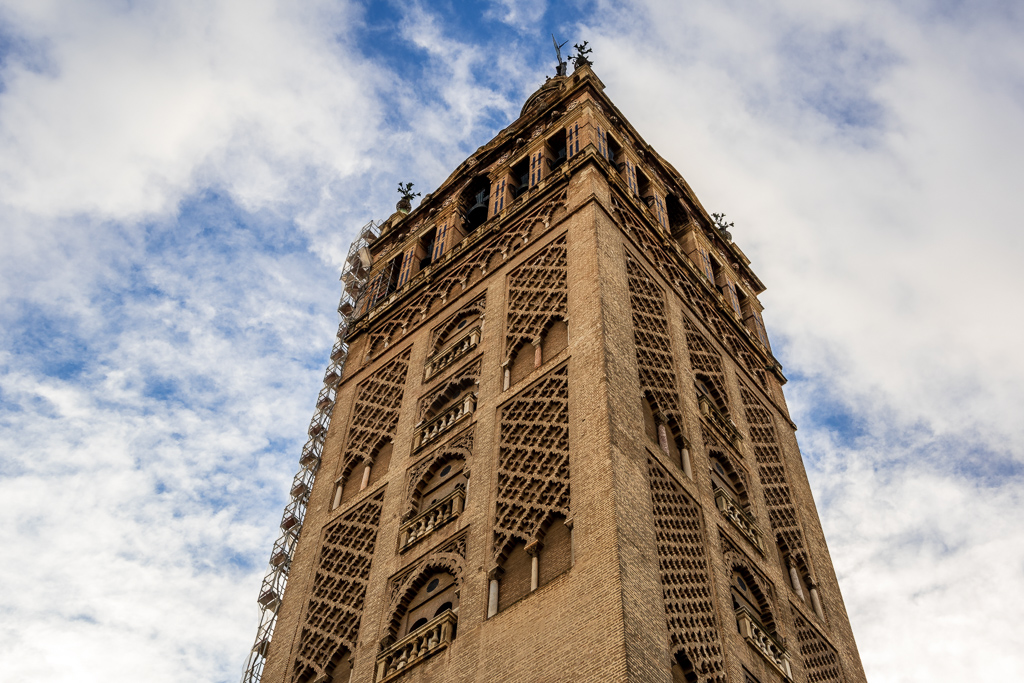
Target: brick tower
(559, 449)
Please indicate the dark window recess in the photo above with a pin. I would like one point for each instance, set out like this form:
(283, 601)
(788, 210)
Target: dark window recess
(678, 218)
(474, 202)
(521, 177)
(556, 143)
(615, 153)
(643, 188)
(395, 270)
(427, 247)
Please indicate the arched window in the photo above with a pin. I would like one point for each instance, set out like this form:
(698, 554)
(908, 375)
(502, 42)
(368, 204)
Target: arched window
(725, 477)
(437, 594)
(361, 476)
(523, 363)
(714, 393)
(339, 670)
(446, 478)
(682, 670)
(528, 357)
(665, 432)
(747, 596)
(528, 567)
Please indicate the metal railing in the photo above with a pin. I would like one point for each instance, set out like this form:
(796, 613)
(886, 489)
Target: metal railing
(272, 589)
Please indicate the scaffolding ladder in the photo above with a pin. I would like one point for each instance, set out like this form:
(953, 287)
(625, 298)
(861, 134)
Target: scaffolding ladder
(354, 276)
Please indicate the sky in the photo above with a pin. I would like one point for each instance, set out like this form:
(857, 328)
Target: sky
(179, 182)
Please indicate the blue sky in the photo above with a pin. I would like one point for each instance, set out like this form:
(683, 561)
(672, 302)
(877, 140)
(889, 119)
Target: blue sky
(179, 183)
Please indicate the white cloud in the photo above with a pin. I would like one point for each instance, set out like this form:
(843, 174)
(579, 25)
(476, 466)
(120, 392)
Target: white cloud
(524, 15)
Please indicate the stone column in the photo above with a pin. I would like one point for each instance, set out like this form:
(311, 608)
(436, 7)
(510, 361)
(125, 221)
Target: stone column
(492, 591)
(816, 602)
(533, 550)
(366, 476)
(794, 578)
(687, 466)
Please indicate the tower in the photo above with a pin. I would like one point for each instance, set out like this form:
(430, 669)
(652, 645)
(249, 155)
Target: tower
(558, 449)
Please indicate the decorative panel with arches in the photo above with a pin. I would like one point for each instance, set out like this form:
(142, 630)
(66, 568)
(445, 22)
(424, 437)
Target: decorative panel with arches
(330, 629)
(533, 463)
(537, 311)
(367, 454)
(694, 634)
(771, 471)
(660, 398)
(820, 659)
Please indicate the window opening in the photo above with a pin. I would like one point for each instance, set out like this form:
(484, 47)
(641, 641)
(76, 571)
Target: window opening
(557, 145)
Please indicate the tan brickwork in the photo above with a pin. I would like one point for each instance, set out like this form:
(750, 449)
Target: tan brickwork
(572, 546)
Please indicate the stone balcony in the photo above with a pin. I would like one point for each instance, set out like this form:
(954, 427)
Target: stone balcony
(740, 518)
(444, 358)
(434, 517)
(430, 431)
(759, 639)
(424, 642)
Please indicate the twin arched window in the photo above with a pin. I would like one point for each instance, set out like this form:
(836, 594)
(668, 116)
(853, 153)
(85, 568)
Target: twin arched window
(437, 595)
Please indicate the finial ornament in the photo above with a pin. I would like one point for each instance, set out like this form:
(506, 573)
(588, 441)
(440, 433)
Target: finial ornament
(405, 203)
(723, 226)
(582, 55)
(562, 66)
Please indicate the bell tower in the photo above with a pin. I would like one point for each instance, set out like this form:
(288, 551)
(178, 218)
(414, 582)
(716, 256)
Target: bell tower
(552, 443)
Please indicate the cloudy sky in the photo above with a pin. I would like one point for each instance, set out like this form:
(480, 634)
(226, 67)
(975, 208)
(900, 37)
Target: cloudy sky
(179, 182)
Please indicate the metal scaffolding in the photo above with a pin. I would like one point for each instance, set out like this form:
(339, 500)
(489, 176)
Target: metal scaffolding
(354, 276)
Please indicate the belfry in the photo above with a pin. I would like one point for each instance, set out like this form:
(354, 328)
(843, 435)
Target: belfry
(552, 444)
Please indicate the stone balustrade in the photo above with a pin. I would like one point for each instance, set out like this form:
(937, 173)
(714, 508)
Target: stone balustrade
(740, 518)
(435, 516)
(443, 422)
(763, 642)
(428, 640)
(442, 359)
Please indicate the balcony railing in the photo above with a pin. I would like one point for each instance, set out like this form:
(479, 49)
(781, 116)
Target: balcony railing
(434, 517)
(430, 431)
(442, 359)
(424, 642)
(740, 518)
(763, 642)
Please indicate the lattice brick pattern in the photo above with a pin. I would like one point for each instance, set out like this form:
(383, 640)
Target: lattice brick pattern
(705, 360)
(339, 586)
(536, 295)
(533, 461)
(493, 252)
(686, 283)
(685, 576)
(770, 470)
(378, 400)
(821, 663)
(653, 344)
